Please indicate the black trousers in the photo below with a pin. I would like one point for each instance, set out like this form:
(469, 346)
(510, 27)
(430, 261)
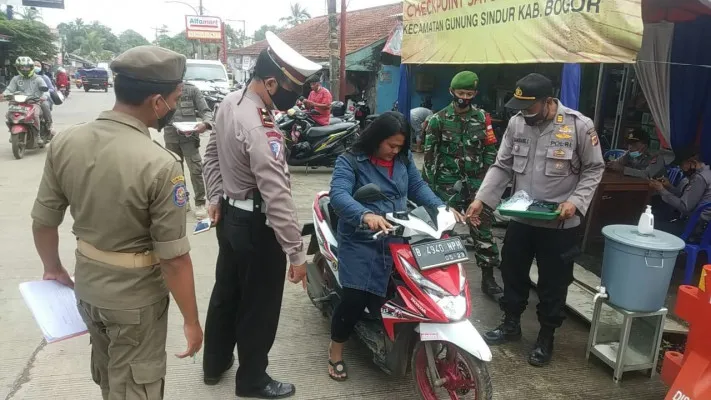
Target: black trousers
(349, 311)
(554, 250)
(246, 300)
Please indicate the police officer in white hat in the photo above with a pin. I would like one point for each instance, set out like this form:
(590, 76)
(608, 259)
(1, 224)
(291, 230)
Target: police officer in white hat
(250, 202)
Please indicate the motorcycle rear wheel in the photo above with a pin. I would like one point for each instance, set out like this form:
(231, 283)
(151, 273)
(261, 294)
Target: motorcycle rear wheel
(466, 376)
(18, 146)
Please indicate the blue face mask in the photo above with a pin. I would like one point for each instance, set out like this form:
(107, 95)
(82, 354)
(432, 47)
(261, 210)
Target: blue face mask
(635, 154)
(37, 70)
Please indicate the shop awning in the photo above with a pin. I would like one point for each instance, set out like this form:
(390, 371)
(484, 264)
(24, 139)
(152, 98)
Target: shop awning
(394, 43)
(364, 59)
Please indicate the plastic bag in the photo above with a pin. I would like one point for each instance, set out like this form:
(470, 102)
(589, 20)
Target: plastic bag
(520, 201)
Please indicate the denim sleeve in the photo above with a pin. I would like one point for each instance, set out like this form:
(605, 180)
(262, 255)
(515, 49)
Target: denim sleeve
(342, 186)
(417, 189)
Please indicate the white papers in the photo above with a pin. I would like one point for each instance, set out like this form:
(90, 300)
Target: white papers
(54, 307)
(186, 127)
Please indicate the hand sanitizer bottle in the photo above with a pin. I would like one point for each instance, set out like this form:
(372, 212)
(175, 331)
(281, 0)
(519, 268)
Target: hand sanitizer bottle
(646, 222)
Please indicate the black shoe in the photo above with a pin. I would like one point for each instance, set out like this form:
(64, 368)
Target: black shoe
(508, 331)
(273, 390)
(542, 352)
(489, 286)
(214, 380)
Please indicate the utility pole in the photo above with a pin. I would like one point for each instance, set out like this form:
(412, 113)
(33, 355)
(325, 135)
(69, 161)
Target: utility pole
(342, 68)
(333, 62)
(200, 12)
(159, 31)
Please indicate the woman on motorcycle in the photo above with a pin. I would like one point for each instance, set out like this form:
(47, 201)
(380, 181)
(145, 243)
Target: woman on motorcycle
(381, 156)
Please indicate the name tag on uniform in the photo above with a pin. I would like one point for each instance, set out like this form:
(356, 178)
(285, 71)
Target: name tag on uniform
(561, 143)
(522, 140)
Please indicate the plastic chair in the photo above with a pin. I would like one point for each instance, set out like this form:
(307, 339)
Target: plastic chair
(693, 250)
(675, 175)
(613, 154)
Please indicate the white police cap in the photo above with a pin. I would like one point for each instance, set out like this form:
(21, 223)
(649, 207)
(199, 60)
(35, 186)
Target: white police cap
(295, 66)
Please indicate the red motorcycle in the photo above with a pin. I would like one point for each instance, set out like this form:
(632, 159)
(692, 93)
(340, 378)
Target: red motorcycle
(64, 89)
(24, 119)
(423, 326)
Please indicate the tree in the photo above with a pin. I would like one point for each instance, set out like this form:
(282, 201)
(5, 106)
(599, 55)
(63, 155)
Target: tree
(130, 39)
(72, 34)
(261, 33)
(297, 15)
(29, 38)
(93, 46)
(30, 14)
(235, 39)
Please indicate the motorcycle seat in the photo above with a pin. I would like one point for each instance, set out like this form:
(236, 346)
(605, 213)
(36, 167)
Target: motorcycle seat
(334, 121)
(371, 117)
(318, 132)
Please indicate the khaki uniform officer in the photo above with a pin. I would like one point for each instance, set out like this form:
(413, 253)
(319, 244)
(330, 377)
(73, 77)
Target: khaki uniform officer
(248, 186)
(127, 197)
(191, 102)
(552, 153)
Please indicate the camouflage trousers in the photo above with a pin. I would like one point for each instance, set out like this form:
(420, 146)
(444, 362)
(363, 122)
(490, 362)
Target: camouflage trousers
(486, 252)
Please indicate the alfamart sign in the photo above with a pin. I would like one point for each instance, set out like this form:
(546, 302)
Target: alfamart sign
(521, 31)
(203, 28)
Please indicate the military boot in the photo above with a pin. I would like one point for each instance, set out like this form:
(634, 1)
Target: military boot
(508, 331)
(543, 349)
(488, 284)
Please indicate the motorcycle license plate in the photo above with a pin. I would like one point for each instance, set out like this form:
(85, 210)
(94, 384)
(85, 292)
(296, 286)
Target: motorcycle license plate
(439, 253)
(16, 109)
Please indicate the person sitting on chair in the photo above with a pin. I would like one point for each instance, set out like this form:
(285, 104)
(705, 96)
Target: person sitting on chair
(686, 200)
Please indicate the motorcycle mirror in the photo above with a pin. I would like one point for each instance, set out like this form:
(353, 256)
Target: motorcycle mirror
(368, 193)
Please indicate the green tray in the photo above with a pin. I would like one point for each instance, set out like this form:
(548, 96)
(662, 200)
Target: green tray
(546, 216)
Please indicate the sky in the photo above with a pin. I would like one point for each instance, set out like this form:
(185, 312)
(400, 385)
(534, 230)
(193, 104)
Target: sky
(144, 16)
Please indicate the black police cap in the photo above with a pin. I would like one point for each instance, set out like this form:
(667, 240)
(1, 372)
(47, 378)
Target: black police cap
(529, 89)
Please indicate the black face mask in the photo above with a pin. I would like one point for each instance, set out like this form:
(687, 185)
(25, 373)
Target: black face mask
(283, 99)
(460, 102)
(165, 120)
(535, 119)
(689, 172)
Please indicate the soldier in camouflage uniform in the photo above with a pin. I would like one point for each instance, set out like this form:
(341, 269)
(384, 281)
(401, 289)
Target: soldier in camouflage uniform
(191, 104)
(460, 145)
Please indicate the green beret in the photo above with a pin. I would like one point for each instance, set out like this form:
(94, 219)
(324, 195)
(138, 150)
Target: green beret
(465, 80)
(150, 64)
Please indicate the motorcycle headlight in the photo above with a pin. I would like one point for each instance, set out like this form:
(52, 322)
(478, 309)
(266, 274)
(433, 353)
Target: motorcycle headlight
(454, 307)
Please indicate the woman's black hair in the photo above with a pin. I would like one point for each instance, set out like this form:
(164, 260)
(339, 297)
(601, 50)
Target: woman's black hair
(384, 126)
(134, 92)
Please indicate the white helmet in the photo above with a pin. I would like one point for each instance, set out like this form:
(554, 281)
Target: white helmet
(60, 69)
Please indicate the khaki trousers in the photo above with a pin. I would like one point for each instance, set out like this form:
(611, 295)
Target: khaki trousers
(128, 359)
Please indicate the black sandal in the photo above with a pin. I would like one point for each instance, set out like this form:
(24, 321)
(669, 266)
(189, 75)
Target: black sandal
(339, 368)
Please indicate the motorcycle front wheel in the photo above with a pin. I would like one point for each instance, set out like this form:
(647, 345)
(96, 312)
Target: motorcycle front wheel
(461, 375)
(18, 146)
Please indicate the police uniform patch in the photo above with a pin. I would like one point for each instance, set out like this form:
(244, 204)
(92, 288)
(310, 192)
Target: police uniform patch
(559, 153)
(266, 117)
(273, 135)
(180, 195)
(563, 136)
(559, 119)
(518, 92)
(177, 179)
(275, 147)
(565, 129)
(559, 165)
(594, 139)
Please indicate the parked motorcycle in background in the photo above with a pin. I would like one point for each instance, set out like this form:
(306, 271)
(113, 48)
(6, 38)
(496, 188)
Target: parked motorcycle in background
(24, 120)
(312, 145)
(424, 325)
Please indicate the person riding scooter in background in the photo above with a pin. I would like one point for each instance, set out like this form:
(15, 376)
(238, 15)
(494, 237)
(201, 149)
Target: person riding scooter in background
(63, 81)
(381, 156)
(320, 100)
(48, 81)
(30, 84)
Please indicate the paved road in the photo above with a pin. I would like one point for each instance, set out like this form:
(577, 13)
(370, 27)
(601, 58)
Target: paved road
(30, 369)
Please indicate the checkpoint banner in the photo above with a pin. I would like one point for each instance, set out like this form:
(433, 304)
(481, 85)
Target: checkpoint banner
(521, 31)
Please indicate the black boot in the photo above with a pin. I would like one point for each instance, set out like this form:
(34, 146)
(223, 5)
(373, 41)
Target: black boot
(488, 284)
(508, 331)
(543, 350)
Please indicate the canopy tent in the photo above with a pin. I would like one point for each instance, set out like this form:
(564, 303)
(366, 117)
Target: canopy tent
(674, 70)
